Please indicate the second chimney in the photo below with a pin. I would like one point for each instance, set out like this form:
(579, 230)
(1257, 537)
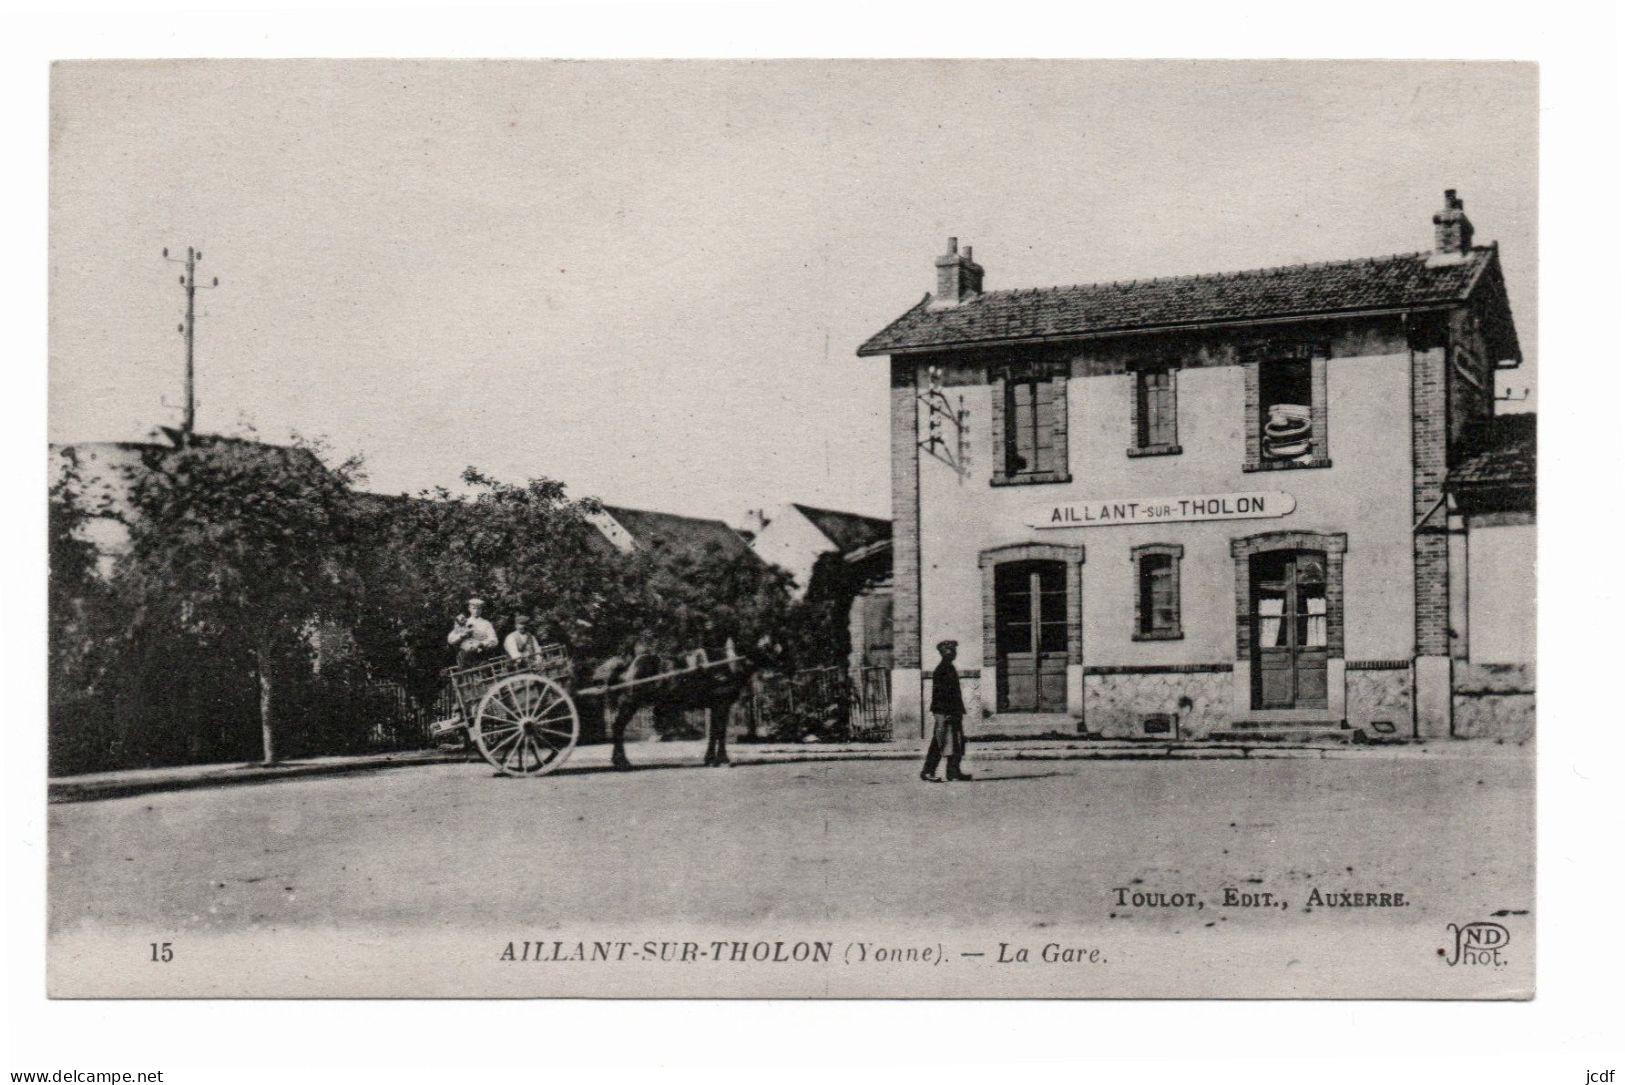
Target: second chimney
(1452, 230)
(959, 278)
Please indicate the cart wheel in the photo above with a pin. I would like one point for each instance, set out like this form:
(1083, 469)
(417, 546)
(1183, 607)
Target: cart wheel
(526, 725)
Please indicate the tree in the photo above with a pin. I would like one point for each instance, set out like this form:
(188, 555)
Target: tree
(244, 547)
(523, 548)
(685, 597)
(532, 549)
(82, 620)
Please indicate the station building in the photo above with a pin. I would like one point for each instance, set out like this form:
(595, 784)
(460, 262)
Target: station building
(1275, 502)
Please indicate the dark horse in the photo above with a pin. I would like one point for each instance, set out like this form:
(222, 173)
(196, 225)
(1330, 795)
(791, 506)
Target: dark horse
(711, 680)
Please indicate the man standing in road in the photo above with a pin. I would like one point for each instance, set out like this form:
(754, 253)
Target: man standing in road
(948, 708)
(473, 636)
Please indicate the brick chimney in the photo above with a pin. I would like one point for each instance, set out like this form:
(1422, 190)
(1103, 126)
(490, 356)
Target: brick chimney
(959, 278)
(1452, 231)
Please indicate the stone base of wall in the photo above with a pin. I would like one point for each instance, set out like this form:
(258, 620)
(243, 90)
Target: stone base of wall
(1494, 700)
(1116, 705)
(1487, 701)
(1506, 716)
(1379, 696)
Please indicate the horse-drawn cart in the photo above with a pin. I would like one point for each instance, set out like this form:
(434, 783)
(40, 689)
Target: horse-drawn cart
(517, 712)
(520, 713)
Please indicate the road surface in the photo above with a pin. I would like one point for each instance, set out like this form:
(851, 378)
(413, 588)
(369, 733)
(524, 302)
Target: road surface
(1033, 843)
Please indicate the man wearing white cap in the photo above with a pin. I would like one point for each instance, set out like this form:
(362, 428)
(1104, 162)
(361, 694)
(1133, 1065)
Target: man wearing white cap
(473, 636)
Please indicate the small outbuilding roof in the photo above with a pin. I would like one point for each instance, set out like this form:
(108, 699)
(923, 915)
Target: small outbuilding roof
(847, 530)
(674, 532)
(1495, 470)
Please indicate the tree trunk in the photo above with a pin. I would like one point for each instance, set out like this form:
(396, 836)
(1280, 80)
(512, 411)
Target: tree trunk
(262, 664)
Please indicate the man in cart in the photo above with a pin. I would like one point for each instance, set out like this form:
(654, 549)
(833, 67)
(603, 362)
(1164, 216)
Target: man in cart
(521, 643)
(473, 636)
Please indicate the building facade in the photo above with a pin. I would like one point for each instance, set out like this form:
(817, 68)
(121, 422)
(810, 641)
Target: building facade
(794, 537)
(841, 559)
(1194, 507)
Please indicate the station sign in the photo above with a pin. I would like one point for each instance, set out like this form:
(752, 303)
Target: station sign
(1117, 511)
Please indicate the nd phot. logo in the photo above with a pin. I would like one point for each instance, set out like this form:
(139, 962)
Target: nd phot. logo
(1477, 944)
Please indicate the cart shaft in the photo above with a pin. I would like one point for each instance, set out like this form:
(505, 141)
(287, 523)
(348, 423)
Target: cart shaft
(664, 676)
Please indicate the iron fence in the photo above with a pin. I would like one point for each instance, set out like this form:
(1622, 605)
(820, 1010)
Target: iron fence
(829, 704)
(871, 705)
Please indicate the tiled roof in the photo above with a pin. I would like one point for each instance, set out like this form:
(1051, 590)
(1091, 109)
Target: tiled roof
(678, 532)
(847, 530)
(1386, 282)
(1498, 452)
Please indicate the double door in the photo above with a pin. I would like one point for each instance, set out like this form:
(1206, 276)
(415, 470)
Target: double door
(1289, 629)
(1030, 610)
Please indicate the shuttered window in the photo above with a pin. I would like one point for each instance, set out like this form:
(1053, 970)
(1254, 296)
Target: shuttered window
(1029, 422)
(1029, 427)
(1158, 607)
(1154, 410)
(1156, 596)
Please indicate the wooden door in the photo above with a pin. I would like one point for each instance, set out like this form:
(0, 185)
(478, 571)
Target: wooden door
(876, 650)
(1030, 605)
(1289, 618)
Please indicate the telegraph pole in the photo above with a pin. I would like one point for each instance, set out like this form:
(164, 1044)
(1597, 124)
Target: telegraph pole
(189, 330)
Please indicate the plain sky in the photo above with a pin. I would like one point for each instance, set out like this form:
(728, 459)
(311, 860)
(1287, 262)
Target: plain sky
(649, 279)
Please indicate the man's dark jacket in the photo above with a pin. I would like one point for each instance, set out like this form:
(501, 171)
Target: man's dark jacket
(945, 696)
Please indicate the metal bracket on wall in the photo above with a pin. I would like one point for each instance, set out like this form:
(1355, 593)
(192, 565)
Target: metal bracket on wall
(941, 415)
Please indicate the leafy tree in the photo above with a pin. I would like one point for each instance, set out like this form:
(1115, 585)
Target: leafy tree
(524, 549)
(684, 597)
(248, 563)
(81, 618)
(72, 561)
(531, 549)
(243, 548)
(69, 510)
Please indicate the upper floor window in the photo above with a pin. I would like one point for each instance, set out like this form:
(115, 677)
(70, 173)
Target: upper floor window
(1287, 404)
(1156, 594)
(1030, 438)
(1029, 426)
(1156, 430)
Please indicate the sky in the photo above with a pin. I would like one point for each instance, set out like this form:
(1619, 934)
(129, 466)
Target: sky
(649, 279)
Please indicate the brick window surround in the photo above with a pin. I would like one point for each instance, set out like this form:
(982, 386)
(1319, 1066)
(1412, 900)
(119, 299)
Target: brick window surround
(990, 560)
(1335, 545)
(1319, 452)
(1137, 555)
(1137, 445)
(1002, 376)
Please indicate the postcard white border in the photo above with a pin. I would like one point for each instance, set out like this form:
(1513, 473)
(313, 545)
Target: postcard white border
(1580, 762)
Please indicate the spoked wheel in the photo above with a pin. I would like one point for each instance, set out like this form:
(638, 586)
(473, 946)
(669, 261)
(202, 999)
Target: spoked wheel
(526, 725)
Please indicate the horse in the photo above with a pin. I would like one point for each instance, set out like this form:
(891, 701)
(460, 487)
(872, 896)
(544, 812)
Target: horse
(694, 680)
